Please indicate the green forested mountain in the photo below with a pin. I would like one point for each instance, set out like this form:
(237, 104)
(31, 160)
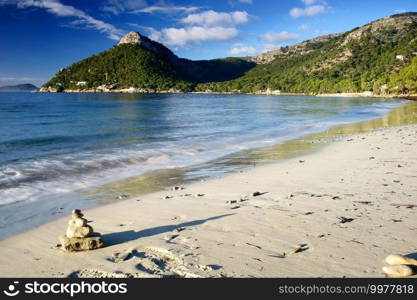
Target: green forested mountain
(380, 57)
(123, 66)
(141, 63)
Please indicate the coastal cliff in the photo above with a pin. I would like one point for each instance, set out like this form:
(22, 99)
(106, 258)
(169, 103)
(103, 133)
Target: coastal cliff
(377, 59)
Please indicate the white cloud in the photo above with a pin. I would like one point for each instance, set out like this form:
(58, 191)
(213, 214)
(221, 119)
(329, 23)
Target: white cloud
(246, 1)
(279, 37)
(309, 2)
(182, 36)
(309, 11)
(141, 6)
(213, 18)
(243, 50)
(312, 8)
(118, 6)
(169, 9)
(205, 26)
(57, 8)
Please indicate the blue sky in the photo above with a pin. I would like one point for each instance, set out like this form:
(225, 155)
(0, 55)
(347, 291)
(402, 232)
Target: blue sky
(38, 37)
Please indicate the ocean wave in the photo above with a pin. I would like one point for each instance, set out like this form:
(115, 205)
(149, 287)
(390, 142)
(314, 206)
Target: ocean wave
(31, 179)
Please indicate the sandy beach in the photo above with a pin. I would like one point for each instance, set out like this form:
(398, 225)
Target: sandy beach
(344, 208)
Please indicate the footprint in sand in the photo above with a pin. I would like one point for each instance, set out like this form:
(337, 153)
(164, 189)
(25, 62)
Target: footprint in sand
(154, 262)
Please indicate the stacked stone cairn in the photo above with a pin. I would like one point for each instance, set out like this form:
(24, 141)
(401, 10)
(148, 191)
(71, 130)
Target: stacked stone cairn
(80, 236)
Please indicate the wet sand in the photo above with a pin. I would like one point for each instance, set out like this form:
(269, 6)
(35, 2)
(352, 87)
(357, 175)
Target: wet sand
(344, 208)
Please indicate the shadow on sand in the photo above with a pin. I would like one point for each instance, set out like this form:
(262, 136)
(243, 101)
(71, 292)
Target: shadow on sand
(412, 255)
(111, 239)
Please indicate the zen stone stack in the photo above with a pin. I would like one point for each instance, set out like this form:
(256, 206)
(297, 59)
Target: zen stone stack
(80, 236)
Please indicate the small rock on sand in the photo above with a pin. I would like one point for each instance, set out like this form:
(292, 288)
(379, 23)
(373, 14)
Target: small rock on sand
(396, 259)
(399, 271)
(80, 244)
(299, 248)
(177, 188)
(345, 220)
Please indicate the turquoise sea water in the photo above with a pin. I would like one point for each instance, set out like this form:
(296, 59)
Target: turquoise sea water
(54, 144)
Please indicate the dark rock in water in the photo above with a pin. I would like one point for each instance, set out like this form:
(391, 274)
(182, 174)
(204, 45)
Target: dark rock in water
(80, 244)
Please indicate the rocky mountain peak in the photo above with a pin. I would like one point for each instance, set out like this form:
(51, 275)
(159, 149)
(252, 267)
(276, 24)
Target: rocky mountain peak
(145, 42)
(131, 38)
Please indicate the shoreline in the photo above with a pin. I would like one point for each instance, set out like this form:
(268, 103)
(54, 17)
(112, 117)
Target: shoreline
(154, 181)
(303, 199)
(412, 97)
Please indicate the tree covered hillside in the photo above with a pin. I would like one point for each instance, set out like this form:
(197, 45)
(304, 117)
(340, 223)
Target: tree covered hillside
(378, 57)
(373, 58)
(124, 66)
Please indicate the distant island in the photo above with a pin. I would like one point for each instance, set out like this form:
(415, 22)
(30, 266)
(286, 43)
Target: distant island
(27, 87)
(379, 58)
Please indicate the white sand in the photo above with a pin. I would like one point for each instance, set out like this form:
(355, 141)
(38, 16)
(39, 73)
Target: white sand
(251, 240)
